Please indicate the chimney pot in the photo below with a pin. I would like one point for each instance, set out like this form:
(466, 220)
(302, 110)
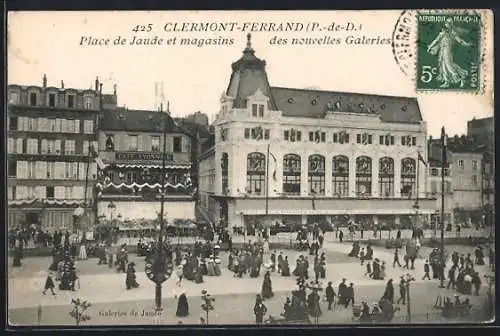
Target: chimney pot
(44, 82)
(97, 83)
(62, 84)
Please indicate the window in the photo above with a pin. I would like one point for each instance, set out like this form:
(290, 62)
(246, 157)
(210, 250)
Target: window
(365, 139)
(256, 172)
(33, 99)
(267, 134)
(257, 110)
(258, 133)
(386, 177)
(177, 144)
(68, 192)
(43, 125)
(20, 146)
(131, 177)
(155, 143)
(11, 192)
(69, 147)
(434, 188)
(340, 176)
(35, 170)
(225, 171)
(286, 135)
(13, 123)
(71, 101)
(132, 142)
(317, 136)
(88, 126)
(474, 164)
(291, 174)
(52, 100)
(247, 133)
(49, 191)
(88, 103)
(32, 146)
(13, 98)
(12, 168)
(110, 142)
(50, 170)
(434, 172)
(341, 137)
(11, 145)
(316, 174)
(460, 163)
(363, 176)
(474, 180)
(71, 170)
(387, 140)
(447, 186)
(32, 123)
(408, 177)
(408, 140)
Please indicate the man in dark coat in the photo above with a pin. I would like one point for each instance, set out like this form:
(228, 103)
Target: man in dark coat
(426, 271)
(342, 292)
(402, 291)
(349, 295)
(396, 259)
(330, 295)
(280, 262)
(259, 310)
(341, 236)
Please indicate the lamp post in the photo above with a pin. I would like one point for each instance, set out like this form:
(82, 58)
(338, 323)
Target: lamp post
(443, 166)
(408, 278)
(158, 267)
(207, 303)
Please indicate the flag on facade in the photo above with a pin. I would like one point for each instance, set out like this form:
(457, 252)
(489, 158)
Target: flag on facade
(275, 164)
(421, 159)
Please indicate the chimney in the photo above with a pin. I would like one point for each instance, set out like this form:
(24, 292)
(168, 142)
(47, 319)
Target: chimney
(62, 84)
(430, 137)
(44, 81)
(97, 83)
(114, 89)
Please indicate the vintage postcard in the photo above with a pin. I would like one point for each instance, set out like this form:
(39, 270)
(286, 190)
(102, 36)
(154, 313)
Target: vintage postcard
(244, 167)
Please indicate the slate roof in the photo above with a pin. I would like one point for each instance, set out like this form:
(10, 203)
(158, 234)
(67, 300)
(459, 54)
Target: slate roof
(137, 120)
(249, 74)
(305, 103)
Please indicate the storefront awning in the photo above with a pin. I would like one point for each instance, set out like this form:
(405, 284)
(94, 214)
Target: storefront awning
(133, 164)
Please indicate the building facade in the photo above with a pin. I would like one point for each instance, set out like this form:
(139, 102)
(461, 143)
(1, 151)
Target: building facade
(52, 132)
(131, 147)
(307, 156)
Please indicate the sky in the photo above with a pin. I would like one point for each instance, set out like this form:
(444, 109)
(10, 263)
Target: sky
(195, 77)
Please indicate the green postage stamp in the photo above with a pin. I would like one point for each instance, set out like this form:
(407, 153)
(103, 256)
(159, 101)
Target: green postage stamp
(449, 52)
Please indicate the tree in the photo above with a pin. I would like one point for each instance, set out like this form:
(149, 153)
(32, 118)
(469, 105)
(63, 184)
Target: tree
(78, 311)
(207, 303)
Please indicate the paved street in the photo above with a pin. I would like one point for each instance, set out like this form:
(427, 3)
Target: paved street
(104, 288)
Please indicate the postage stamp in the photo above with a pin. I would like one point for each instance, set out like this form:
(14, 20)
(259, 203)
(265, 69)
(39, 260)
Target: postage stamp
(448, 52)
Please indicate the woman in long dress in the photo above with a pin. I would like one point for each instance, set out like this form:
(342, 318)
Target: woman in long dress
(267, 287)
(449, 72)
(285, 268)
(182, 306)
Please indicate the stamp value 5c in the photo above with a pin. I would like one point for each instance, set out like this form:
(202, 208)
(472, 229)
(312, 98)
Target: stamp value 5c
(448, 52)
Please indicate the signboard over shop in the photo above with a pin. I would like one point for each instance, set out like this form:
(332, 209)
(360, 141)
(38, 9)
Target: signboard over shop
(146, 156)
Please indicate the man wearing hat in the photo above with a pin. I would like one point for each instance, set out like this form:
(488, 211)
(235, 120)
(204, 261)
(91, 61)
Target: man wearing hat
(402, 290)
(349, 295)
(342, 292)
(330, 295)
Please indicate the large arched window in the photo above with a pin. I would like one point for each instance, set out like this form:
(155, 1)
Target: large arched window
(316, 174)
(224, 164)
(256, 173)
(291, 174)
(386, 177)
(340, 176)
(408, 177)
(363, 176)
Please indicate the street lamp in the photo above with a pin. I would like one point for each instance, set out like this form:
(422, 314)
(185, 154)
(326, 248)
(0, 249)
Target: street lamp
(443, 166)
(158, 267)
(207, 303)
(315, 286)
(407, 279)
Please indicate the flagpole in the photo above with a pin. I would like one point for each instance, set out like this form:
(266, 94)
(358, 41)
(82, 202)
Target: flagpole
(417, 205)
(267, 179)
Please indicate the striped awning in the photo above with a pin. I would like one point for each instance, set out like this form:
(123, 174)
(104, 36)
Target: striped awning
(44, 201)
(141, 164)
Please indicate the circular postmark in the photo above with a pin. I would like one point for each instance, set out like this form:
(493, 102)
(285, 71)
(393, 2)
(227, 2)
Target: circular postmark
(413, 41)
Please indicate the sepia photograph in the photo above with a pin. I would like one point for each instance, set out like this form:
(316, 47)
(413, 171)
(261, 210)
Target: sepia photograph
(218, 168)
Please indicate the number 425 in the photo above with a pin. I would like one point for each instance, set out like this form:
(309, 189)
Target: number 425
(428, 73)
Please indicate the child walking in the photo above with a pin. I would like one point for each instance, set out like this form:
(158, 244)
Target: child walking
(49, 284)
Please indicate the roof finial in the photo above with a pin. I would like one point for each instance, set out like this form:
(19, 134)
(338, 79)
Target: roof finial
(249, 43)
